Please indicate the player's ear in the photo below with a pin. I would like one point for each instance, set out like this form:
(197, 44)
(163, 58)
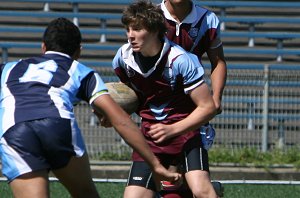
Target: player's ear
(43, 46)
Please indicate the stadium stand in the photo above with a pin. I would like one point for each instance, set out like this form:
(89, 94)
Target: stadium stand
(235, 18)
(262, 60)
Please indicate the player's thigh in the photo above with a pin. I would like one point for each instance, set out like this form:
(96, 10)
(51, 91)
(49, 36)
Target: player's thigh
(31, 185)
(197, 170)
(140, 181)
(194, 156)
(137, 192)
(77, 178)
(200, 184)
(198, 179)
(21, 151)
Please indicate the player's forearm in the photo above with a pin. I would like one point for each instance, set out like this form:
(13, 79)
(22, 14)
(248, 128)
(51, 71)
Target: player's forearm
(199, 117)
(218, 71)
(205, 110)
(125, 126)
(218, 79)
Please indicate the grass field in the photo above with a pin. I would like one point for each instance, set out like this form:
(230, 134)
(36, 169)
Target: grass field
(114, 190)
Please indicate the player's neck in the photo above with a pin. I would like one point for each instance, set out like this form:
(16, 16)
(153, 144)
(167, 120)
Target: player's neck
(154, 49)
(179, 11)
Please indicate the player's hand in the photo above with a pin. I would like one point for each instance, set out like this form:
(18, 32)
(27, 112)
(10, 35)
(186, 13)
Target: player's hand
(162, 174)
(161, 132)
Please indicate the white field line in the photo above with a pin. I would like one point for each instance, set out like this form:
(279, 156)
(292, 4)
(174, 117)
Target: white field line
(222, 181)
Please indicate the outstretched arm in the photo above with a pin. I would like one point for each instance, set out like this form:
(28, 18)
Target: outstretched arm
(130, 132)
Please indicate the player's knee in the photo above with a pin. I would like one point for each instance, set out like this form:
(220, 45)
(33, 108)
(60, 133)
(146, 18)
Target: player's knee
(199, 192)
(204, 193)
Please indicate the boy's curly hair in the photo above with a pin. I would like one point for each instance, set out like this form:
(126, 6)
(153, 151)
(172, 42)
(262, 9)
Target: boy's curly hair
(143, 14)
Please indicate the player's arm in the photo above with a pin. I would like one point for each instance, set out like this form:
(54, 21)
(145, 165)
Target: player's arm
(218, 72)
(129, 131)
(203, 113)
(216, 56)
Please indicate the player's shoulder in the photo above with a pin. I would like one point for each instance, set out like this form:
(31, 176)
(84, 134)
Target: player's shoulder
(124, 51)
(179, 56)
(8, 66)
(201, 9)
(204, 11)
(176, 50)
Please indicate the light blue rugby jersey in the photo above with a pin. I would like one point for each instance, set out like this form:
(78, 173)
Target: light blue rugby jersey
(45, 86)
(179, 63)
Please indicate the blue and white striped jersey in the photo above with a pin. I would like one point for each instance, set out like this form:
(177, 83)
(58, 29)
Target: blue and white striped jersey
(45, 86)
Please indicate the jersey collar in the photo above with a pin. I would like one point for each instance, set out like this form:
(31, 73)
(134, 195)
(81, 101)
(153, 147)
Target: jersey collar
(127, 55)
(190, 18)
(59, 53)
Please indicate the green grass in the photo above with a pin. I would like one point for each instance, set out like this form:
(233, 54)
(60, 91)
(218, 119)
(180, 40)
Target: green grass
(261, 191)
(241, 156)
(216, 155)
(255, 157)
(106, 190)
(115, 190)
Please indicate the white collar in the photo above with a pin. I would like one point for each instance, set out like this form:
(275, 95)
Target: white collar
(128, 57)
(190, 18)
(60, 53)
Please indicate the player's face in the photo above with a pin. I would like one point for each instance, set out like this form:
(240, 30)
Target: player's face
(141, 40)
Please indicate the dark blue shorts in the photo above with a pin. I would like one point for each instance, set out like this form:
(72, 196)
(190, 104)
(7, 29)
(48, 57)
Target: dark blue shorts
(47, 143)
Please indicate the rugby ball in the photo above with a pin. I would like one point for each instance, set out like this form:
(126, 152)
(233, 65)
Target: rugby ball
(123, 95)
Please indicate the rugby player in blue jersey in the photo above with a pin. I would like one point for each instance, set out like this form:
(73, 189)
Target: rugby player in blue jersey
(38, 129)
(174, 101)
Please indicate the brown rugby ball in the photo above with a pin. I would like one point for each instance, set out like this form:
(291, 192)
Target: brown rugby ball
(123, 95)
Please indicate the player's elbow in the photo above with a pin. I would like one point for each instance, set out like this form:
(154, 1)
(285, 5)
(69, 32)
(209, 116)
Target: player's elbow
(212, 110)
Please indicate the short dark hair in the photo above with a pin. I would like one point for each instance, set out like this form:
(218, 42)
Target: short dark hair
(143, 14)
(62, 35)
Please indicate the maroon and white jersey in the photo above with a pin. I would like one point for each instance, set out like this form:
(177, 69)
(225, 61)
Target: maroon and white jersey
(162, 90)
(197, 33)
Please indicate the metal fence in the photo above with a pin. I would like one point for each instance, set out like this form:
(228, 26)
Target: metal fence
(261, 109)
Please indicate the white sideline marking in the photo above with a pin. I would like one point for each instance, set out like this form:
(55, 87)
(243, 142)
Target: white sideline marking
(222, 181)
